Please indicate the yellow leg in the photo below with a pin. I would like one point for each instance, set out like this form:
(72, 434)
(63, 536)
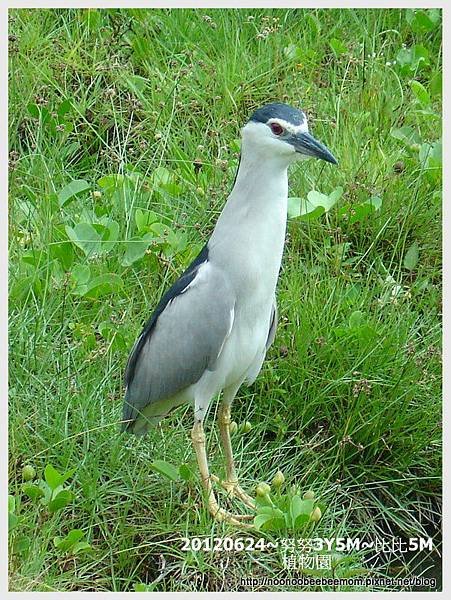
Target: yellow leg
(231, 483)
(199, 444)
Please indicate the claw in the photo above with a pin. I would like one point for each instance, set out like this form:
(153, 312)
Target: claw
(219, 514)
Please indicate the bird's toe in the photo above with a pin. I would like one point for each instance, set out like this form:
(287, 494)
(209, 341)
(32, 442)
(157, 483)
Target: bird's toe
(234, 490)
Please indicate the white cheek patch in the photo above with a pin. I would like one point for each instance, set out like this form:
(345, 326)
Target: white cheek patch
(302, 128)
(254, 132)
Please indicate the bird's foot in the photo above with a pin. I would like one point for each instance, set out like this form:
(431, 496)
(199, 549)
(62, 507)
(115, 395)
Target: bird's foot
(219, 514)
(233, 490)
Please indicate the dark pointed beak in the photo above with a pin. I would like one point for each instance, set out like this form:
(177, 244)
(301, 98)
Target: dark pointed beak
(304, 143)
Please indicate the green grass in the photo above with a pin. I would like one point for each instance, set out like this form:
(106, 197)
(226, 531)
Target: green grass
(348, 402)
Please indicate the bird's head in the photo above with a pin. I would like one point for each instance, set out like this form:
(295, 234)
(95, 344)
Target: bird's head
(279, 130)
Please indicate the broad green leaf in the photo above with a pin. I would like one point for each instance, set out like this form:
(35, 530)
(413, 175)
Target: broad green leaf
(314, 205)
(294, 207)
(24, 210)
(161, 176)
(436, 84)
(268, 509)
(356, 319)
(34, 258)
(43, 114)
(109, 232)
(356, 213)
(107, 329)
(71, 543)
(420, 20)
(270, 519)
(164, 180)
(74, 535)
(136, 84)
(64, 108)
(52, 477)
(33, 491)
(375, 201)
(145, 218)
(404, 57)
(435, 14)
(80, 547)
(352, 293)
(171, 188)
(107, 283)
(260, 520)
(33, 109)
(12, 521)
(72, 189)
(177, 241)
(338, 46)
(298, 507)
(166, 469)
(411, 59)
(161, 231)
(432, 153)
(81, 274)
(315, 199)
(109, 183)
(20, 288)
(263, 502)
(300, 521)
(365, 333)
(406, 134)
(292, 52)
(94, 238)
(420, 93)
(185, 472)
(299, 206)
(85, 237)
(61, 500)
(411, 257)
(71, 538)
(135, 248)
(314, 23)
(430, 157)
(63, 252)
(48, 492)
(420, 56)
(22, 544)
(11, 503)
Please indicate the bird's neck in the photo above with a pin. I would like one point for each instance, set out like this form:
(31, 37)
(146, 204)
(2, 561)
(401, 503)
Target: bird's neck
(250, 233)
(259, 194)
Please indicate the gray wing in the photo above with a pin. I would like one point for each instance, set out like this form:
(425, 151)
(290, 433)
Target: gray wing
(185, 339)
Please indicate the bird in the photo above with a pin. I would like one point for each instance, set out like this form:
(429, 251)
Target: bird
(211, 330)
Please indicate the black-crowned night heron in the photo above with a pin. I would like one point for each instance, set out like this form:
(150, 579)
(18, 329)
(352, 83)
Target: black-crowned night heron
(211, 330)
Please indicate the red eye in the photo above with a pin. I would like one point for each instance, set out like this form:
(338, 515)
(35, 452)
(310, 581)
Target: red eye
(276, 128)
